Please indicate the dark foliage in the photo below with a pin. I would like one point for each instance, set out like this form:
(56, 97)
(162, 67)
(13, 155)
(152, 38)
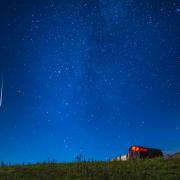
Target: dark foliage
(138, 169)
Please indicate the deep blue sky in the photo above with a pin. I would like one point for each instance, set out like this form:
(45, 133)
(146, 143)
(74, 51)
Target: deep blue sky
(88, 76)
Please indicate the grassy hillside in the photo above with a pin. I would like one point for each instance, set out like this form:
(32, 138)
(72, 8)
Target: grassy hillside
(140, 169)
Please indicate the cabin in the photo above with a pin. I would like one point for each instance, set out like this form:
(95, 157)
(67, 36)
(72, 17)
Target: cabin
(139, 152)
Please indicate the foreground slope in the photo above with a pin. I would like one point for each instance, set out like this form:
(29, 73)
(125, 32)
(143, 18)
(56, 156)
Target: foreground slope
(140, 169)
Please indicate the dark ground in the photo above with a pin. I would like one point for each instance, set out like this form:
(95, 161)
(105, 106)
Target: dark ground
(139, 169)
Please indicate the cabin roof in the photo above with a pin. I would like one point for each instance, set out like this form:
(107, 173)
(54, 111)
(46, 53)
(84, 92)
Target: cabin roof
(145, 147)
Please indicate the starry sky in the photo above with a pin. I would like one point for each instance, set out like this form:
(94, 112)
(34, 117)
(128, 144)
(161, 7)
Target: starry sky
(89, 77)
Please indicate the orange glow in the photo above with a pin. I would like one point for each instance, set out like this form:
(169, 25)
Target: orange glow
(137, 148)
(133, 148)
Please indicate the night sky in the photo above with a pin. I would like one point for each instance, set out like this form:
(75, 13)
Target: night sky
(89, 77)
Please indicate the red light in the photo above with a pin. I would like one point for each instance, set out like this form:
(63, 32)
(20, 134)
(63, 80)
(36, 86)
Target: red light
(137, 148)
(143, 149)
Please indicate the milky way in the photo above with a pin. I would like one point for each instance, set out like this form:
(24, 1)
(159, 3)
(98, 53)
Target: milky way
(90, 77)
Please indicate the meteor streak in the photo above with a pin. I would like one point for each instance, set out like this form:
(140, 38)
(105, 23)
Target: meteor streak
(1, 95)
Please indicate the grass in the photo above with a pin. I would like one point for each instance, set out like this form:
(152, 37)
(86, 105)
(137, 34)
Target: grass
(155, 169)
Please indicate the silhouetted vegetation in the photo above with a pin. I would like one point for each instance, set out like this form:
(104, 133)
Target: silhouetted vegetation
(138, 169)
